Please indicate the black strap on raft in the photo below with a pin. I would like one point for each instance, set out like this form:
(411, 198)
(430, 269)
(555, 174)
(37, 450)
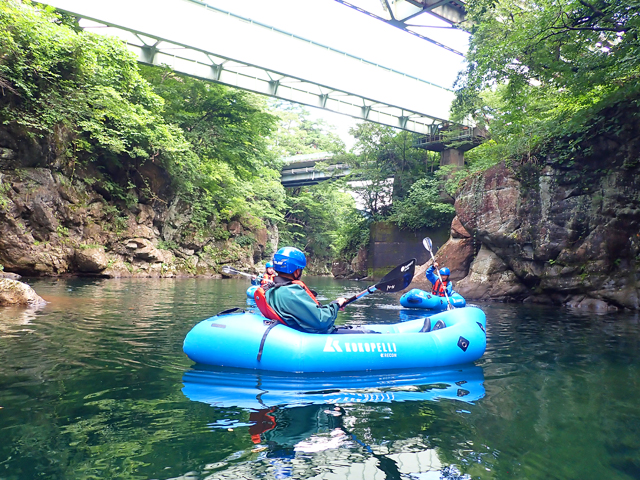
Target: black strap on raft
(229, 310)
(271, 323)
(439, 324)
(427, 325)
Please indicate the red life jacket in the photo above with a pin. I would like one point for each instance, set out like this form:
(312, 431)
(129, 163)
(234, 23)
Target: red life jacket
(439, 288)
(266, 278)
(265, 308)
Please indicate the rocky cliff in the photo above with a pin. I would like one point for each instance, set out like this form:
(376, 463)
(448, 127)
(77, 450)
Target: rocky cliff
(564, 228)
(54, 223)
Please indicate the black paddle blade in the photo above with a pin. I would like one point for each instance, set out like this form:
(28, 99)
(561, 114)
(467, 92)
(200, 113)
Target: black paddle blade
(399, 278)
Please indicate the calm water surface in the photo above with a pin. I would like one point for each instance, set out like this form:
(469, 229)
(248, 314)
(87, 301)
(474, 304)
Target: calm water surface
(95, 385)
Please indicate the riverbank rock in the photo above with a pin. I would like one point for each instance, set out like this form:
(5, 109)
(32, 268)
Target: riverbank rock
(13, 292)
(561, 228)
(456, 254)
(355, 269)
(12, 276)
(490, 279)
(52, 224)
(91, 260)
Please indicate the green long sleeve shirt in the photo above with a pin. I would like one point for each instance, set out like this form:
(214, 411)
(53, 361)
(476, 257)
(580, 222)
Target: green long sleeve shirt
(297, 308)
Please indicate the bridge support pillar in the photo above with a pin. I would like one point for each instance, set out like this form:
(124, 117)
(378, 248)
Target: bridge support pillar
(452, 156)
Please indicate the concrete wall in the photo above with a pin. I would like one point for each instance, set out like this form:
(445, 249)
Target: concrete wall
(389, 246)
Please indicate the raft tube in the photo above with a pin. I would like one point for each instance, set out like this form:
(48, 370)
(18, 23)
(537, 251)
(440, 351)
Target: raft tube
(251, 290)
(228, 387)
(417, 298)
(234, 340)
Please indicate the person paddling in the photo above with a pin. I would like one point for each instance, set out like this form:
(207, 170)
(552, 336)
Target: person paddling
(289, 301)
(439, 287)
(269, 274)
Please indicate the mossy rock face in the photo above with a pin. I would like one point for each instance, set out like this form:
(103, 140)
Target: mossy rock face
(570, 232)
(13, 292)
(52, 225)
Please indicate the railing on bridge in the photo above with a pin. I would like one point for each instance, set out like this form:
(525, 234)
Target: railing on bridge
(203, 41)
(463, 137)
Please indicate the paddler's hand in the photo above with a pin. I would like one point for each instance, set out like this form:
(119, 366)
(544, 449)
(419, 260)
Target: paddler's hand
(341, 301)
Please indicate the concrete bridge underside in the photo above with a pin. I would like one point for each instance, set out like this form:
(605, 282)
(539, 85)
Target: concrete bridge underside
(199, 40)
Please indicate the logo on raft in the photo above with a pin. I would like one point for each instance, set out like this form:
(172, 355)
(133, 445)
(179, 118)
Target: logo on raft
(385, 349)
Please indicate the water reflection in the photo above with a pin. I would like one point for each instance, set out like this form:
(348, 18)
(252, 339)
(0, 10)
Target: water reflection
(95, 385)
(226, 387)
(299, 422)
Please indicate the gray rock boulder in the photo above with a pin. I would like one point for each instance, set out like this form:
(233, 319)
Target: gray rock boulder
(91, 260)
(13, 292)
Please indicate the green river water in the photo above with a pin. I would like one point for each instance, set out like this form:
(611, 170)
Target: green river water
(95, 385)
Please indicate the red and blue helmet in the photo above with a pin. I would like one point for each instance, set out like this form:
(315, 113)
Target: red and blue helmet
(288, 260)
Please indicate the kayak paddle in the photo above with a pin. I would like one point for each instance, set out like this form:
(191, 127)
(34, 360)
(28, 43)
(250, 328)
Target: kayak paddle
(427, 244)
(232, 271)
(397, 279)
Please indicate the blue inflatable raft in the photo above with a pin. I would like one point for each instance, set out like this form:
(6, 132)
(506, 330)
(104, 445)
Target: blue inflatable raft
(251, 290)
(417, 298)
(241, 340)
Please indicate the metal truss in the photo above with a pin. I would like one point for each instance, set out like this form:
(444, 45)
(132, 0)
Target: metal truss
(196, 39)
(398, 13)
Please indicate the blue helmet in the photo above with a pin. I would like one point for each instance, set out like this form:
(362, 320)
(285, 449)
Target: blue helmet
(288, 260)
(445, 271)
(268, 265)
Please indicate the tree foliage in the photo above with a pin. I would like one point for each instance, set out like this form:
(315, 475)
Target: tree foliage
(384, 165)
(222, 124)
(548, 58)
(87, 95)
(423, 207)
(298, 134)
(315, 218)
(543, 70)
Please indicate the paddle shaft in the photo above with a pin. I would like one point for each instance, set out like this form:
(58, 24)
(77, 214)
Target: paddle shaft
(450, 307)
(233, 271)
(397, 279)
(358, 296)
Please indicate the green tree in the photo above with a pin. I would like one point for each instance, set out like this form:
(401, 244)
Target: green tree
(84, 94)
(315, 217)
(384, 166)
(229, 130)
(223, 124)
(422, 207)
(298, 134)
(549, 59)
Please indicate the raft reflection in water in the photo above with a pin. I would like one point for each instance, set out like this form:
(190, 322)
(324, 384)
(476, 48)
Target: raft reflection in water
(292, 415)
(228, 387)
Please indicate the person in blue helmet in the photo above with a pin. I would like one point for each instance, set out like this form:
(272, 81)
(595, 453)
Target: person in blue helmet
(438, 286)
(268, 276)
(289, 301)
